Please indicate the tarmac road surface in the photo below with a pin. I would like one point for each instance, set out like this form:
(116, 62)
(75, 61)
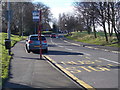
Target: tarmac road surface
(98, 68)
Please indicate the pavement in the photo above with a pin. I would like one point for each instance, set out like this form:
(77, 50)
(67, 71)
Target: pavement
(28, 71)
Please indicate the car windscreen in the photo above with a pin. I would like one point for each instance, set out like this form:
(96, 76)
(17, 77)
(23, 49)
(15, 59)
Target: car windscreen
(53, 34)
(35, 38)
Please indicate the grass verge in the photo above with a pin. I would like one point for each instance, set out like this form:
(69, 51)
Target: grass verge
(89, 38)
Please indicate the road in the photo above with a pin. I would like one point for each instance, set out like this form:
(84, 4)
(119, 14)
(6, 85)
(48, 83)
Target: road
(28, 71)
(92, 67)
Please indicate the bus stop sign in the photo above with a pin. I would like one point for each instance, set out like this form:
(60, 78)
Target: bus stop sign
(35, 16)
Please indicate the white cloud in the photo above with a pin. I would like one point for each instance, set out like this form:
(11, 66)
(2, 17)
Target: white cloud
(59, 10)
(58, 6)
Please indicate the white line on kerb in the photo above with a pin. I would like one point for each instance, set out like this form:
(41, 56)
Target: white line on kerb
(109, 60)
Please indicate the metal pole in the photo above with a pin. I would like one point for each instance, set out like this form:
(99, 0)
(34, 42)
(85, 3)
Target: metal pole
(35, 26)
(8, 29)
(22, 21)
(39, 33)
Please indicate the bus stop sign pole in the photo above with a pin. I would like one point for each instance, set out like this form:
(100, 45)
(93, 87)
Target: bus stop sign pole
(39, 33)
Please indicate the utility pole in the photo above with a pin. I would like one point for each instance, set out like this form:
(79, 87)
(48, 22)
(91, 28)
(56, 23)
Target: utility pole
(8, 28)
(22, 20)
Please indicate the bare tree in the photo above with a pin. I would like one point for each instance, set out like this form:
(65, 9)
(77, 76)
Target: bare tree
(114, 19)
(22, 17)
(86, 10)
(102, 16)
(46, 15)
(70, 23)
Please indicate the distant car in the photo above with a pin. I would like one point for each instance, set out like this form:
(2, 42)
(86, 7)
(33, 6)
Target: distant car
(54, 35)
(33, 44)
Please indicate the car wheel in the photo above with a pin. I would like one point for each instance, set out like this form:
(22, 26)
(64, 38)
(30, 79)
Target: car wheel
(27, 49)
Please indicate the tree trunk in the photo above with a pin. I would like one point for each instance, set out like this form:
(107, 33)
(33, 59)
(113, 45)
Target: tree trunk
(94, 28)
(108, 19)
(113, 22)
(103, 15)
(105, 32)
(116, 33)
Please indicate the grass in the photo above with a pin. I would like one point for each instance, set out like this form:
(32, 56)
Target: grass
(4, 57)
(46, 31)
(100, 40)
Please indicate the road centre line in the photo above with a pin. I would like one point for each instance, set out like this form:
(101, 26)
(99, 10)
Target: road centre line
(109, 60)
(52, 41)
(71, 49)
(60, 46)
(72, 43)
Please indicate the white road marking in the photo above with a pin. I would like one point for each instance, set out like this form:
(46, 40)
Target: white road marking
(85, 53)
(52, 41)
(68, 49)
(60, 46)
(109, 60)
(65, 41)
(71, 49)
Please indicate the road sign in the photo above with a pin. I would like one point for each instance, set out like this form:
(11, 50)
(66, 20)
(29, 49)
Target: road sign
(35, 16)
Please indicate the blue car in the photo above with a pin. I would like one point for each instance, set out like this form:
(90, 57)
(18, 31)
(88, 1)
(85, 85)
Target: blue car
(33, 44)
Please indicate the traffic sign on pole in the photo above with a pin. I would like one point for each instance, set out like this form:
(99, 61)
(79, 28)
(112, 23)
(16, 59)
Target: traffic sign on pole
(35, 16)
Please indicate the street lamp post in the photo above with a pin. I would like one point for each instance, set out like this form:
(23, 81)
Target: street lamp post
(8, 28)
(22, 20)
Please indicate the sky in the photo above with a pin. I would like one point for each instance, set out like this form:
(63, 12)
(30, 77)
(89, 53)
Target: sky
(58, 6)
